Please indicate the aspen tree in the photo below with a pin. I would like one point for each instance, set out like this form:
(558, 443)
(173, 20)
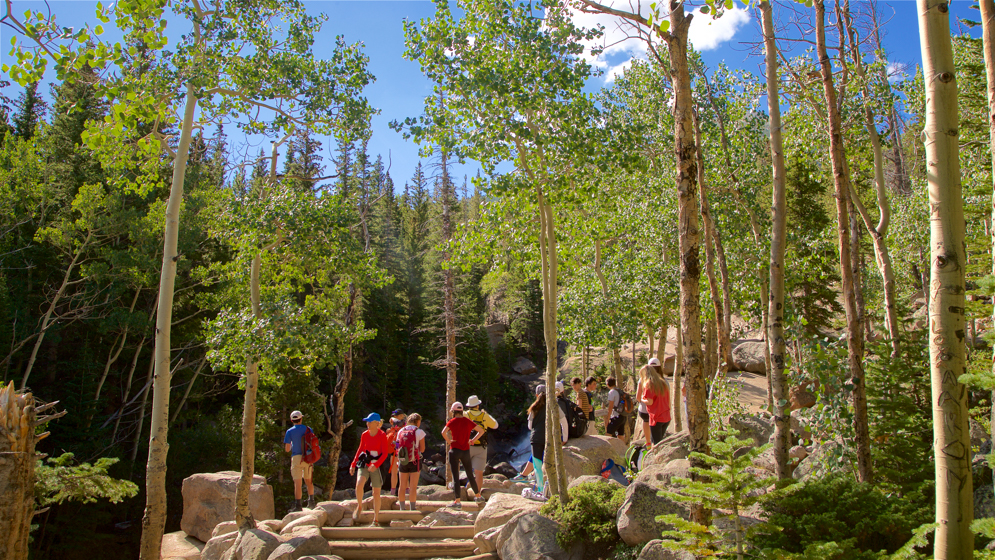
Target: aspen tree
(988, 43)
(952, 446)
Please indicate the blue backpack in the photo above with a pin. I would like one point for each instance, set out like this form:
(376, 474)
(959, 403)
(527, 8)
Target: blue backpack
(611, 471)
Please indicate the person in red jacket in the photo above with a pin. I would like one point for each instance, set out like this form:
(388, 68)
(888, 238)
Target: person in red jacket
(371, 454)
(655, 394)
(457, 435)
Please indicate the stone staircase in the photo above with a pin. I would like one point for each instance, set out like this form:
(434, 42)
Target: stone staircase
(396, 537)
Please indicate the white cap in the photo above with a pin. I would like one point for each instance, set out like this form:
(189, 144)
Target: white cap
(456, 407)
(540, 389)
(559, 386)
(296, 415)
(473, 401)
(653, 362)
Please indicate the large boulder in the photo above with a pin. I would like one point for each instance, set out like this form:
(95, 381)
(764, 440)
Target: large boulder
(304, 543)
(750, 356)
(314, 518)
(654, 550)
(216, 548)
(333, 512)
(534, 536)
(585, 455)
(209, 499)
(505, 469)
(447, 518)
(255, 544)
(501, 508)
(659, 476)
(758, 427)
(486, 541)
(180, 546)
(673, 447)
(801, 396)
(524, 366)
(637, 522)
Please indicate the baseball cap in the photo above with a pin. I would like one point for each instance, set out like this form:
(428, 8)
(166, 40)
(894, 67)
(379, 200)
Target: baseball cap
(473, 401)
(457, 406)
(540, 389)
(396, 412)
(296, 415)
(653, 362)
(372, 417)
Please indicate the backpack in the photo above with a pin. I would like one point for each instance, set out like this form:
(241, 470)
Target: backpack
(576, 419)
(312, 450)
(611, 471)
(634, 457)
(624, 402)
(392, 437)
(479, 414)
(407, 445)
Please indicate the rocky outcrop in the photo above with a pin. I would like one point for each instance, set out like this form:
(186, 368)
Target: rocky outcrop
(504, 469)
(659, 476)
(209, 499)
(447, 518)
(591, 478)
(304, 543)
(801, 396)
(637, 522)
(673, 447)
(654, 550)
(180, 546)
(585, 455)
(311, 518)
(486, 540)
(501, 508)
(333, 512)
(254, 544)
(216, 548)
(524, 366)
(749, 355)
(757, 427)
(534, 536)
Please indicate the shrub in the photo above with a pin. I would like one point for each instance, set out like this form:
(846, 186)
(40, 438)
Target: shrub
(589, 517)
(838, 508)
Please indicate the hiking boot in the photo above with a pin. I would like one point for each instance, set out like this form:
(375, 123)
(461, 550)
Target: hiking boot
(456, 505)
(479, 499)
(310, 502)
(297, 506)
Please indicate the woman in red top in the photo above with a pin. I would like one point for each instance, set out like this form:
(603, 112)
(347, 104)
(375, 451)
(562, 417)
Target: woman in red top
(457, 434)
(656, 396)
(372, 452)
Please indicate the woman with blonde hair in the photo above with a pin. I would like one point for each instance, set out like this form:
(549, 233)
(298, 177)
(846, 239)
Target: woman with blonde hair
(655, 394)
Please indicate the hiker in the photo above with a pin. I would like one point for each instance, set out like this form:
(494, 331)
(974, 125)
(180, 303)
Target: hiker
(410, 450)
(457, 436)
(293, 442)
(584, 402)
(478, 450)
(644, 414)
(656, 396)
(537, 425)
(396, 423)
(371, 454)
(615, 420)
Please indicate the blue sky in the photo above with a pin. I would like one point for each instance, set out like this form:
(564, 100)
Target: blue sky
(400, 88)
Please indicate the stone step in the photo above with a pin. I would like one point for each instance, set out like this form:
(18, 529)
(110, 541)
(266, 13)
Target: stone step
(424, 507)
(364, 550)
(385, 533)
(386, 516)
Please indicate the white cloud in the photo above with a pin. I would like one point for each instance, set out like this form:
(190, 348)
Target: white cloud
(897, 71)
(708, 34)
(705, 34)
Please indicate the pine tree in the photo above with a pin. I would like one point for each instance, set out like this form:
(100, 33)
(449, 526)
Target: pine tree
(30, 112)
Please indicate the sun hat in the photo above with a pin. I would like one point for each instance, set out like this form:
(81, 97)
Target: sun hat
(653, 362)
(540, 389)
(372, 417)
(559, 386)
(473, 401)
(296, 415)
(457, 407)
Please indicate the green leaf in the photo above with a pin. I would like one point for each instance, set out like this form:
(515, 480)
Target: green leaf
(99, 30)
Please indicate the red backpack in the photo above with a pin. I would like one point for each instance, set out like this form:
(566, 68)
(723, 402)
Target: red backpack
(407, 445)
(312, 450)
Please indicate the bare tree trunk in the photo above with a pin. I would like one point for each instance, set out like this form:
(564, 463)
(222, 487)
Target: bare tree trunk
(725, 335)
(47, 319)
(778, 241)
(677, 398)
(987, 8)
(855, 349)
(17, 471)
(688, 239)
(711, 358)
(448, 289)
(954, 494)
(343, 378)
(154, 520)
(553, 454)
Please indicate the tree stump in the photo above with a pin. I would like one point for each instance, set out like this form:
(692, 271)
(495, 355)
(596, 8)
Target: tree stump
(17, 471)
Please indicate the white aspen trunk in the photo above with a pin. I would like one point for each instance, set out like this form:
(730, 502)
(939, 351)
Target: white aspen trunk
(855, 350)
(677, 405)
(685, 149)
(553, 453)
(778, 239)
(47, 319)
(154, 520)
(17, 471)
(952, 447)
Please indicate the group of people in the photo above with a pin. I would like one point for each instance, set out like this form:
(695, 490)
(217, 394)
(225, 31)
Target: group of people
(652, 396)
(397, 454)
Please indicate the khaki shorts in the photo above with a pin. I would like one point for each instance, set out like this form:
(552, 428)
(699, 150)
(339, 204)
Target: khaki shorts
(299, 469)
(376, 479)
(478, 457)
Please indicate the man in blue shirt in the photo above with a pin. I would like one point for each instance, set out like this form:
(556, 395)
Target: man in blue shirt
(294, 444)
